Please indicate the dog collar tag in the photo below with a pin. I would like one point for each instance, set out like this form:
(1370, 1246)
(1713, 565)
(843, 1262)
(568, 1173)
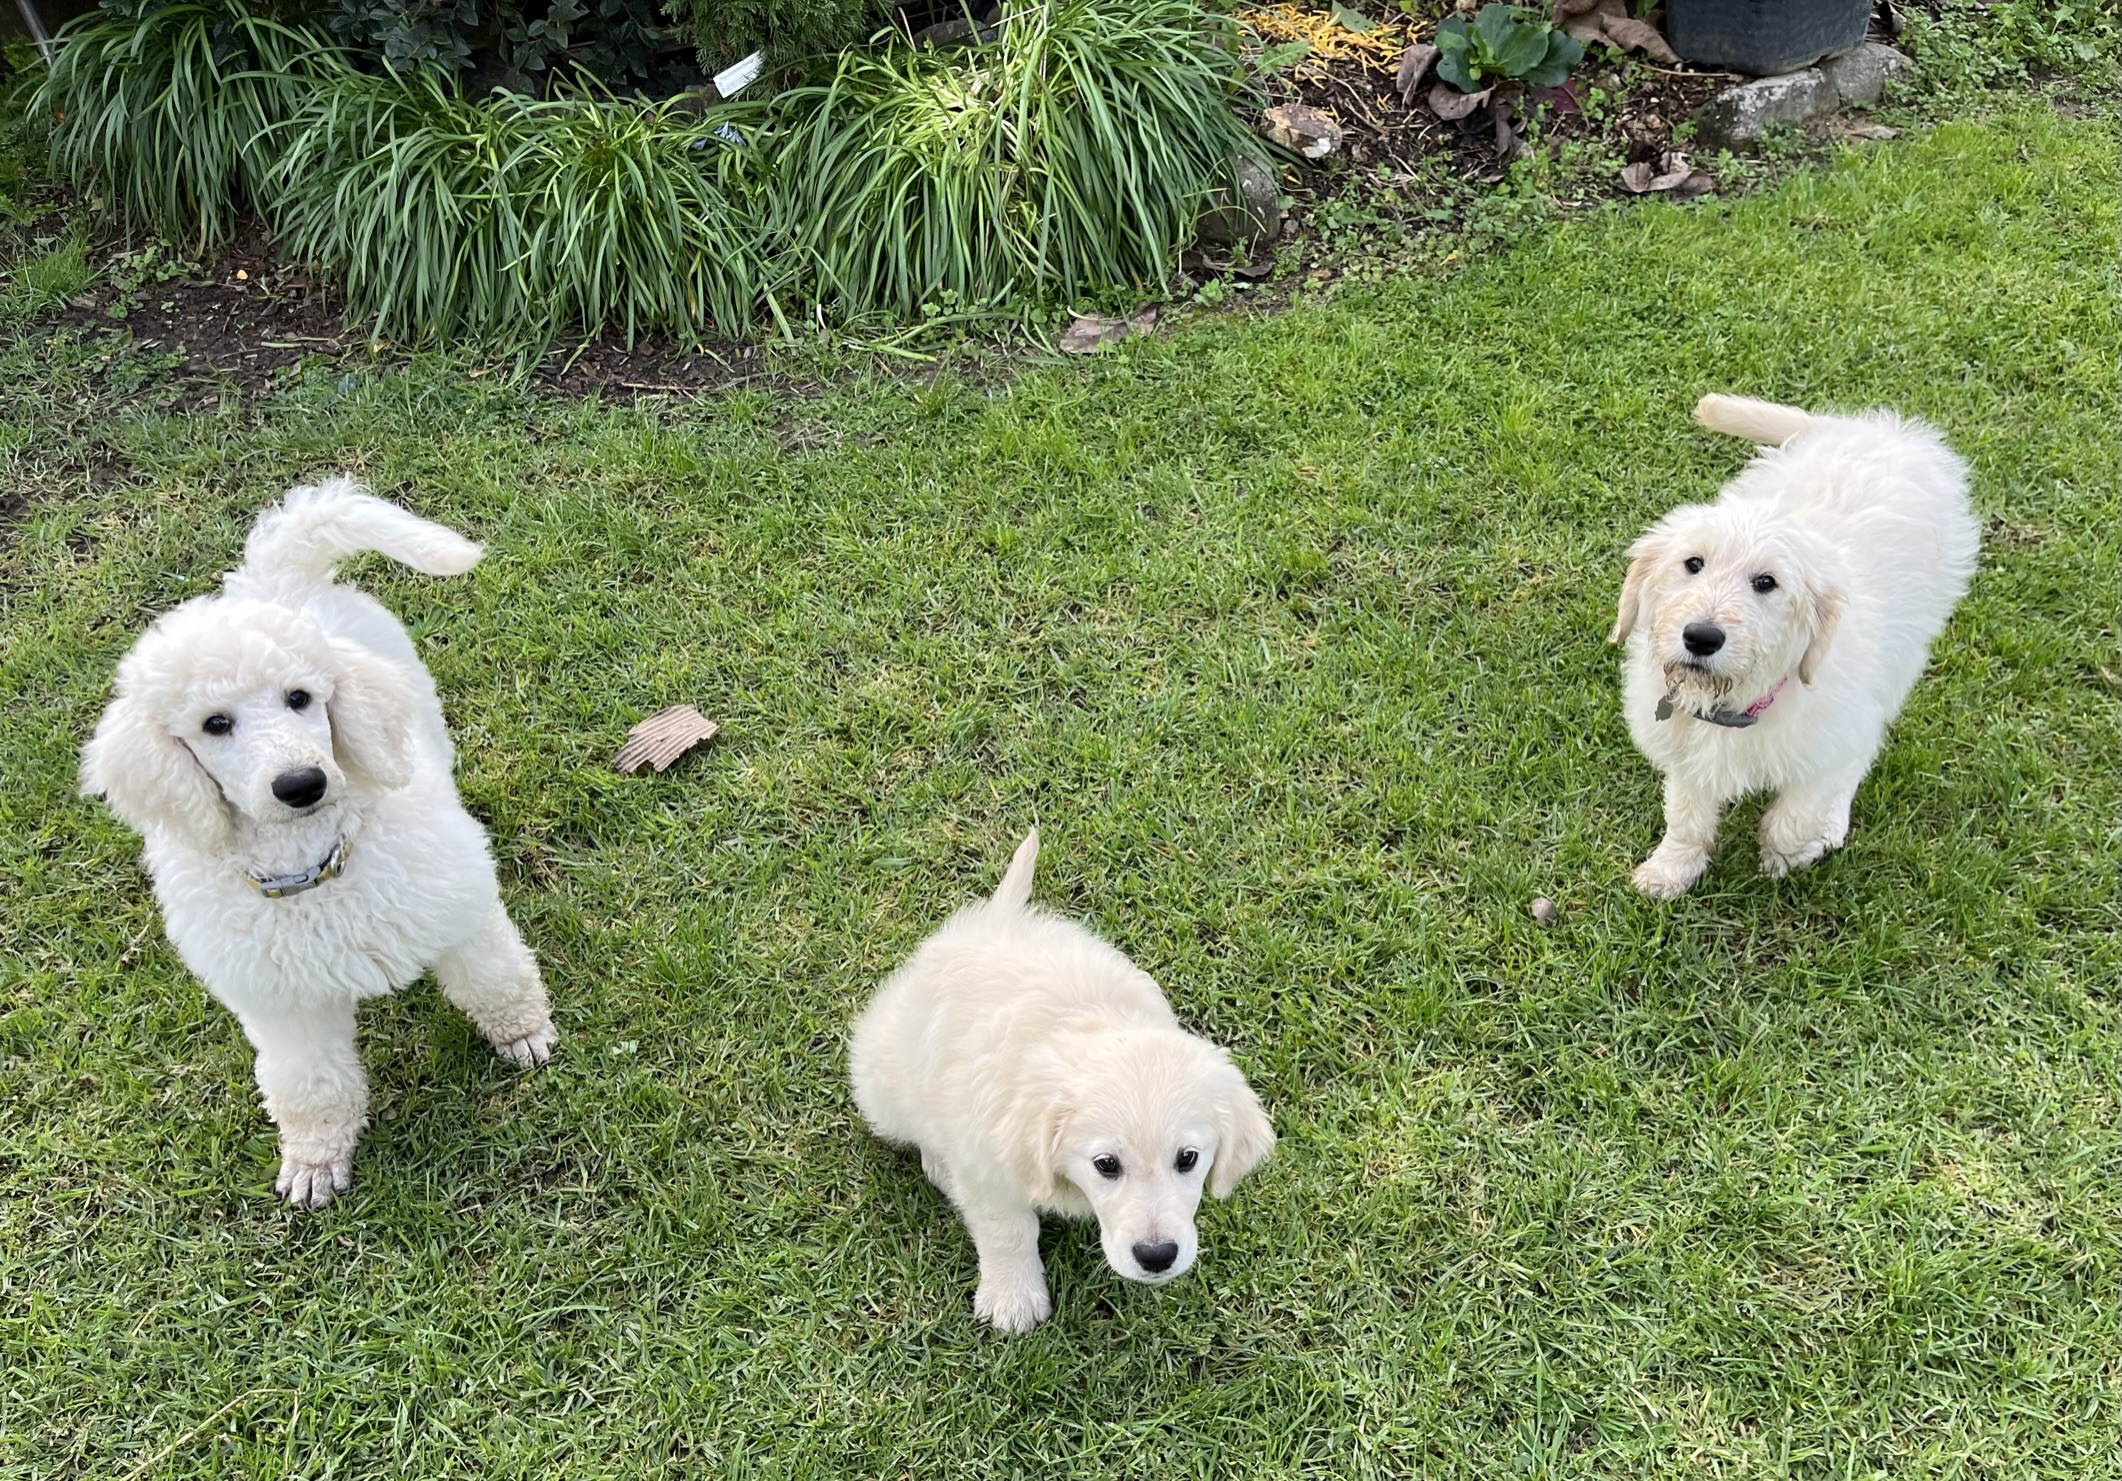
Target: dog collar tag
(280, 886)
(1665, 708)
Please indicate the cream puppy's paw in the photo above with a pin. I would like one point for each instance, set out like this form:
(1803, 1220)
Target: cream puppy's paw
(529, 1050)
(1670, 871)
(307, 1184)
(1779, 858)
(1013, 1306)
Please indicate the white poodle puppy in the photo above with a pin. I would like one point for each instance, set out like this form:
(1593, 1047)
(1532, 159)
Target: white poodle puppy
(1833, 559)
(281, 750)
(1037, 1068)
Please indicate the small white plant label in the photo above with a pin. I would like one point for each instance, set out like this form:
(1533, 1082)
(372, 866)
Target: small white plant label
(734, 78)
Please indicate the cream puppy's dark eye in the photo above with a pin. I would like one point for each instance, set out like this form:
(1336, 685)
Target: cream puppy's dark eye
(218, 725)
(1108, 1166)
(298, 699)
(1693, 564)
(1764, 583)
(1186, 1159)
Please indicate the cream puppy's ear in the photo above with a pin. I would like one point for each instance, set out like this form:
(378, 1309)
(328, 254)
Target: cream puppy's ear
(150, 780)
(1031, 1131)
(372, 714)
(1823, 610)
(1642, 556)
(1246, 1136)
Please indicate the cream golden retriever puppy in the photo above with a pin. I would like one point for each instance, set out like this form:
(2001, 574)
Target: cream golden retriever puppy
(280, 749)
(1038, 1069)
(1774, 635)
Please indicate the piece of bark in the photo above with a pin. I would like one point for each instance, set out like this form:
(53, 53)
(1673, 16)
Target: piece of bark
(663, 737)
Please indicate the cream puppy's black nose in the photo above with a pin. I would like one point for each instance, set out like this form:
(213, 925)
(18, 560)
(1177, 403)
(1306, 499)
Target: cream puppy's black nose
(302, 787)
(1155, 1256)
(1702, 638)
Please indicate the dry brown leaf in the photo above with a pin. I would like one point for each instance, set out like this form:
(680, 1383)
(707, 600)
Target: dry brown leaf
(663, 737)
(1636, 178)
(1698, 182)
(1415, 63)
(1448, 103)
(1095, 331)
(1872, 131)
(1631, 34)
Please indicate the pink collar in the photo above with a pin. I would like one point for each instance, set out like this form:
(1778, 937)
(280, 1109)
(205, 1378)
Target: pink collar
(1739, 719)
(1732, 719)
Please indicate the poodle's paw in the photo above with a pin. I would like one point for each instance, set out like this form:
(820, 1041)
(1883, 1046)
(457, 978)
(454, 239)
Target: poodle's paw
(530, 1050)
(1013, 1306)
(307, 1184)
(1670, 871)
(1779, 857)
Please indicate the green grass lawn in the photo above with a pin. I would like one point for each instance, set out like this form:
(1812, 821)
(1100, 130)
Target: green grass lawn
(1289, 632)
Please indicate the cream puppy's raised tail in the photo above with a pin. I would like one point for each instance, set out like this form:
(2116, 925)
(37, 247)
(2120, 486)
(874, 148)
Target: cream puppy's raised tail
(1015, 891)
(1762, 422)
(1774, 634)
(1037, 1069)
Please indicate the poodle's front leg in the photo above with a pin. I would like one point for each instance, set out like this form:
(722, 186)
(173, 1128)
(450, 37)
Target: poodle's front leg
(1012, 1291)
(315, 1092)
(493, 978)
(1691, 816)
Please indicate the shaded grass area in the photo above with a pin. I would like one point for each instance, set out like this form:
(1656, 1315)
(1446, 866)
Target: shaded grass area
(1288, 633)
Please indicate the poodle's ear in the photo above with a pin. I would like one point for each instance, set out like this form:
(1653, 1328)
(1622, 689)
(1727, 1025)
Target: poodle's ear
(1642, 556)
(150, 780)
(1247, 1137)
(372, 717)
(1823, 610)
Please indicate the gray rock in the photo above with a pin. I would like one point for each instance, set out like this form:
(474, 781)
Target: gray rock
(1738, 116)
(1253, 216)
(1302, 129)
(1860, 76)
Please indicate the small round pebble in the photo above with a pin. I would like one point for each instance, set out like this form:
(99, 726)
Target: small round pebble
(1545, 911)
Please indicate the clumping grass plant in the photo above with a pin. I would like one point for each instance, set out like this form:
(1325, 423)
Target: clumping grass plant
(512, 217)
(1073, 153)
(170, 109)
(1070, 156)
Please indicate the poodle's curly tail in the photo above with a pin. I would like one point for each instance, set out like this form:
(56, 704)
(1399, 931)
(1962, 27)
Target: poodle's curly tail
(295, 544)
(1015, 891)
(1762, 422)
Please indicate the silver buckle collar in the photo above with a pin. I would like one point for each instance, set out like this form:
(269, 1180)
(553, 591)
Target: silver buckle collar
(280, 886)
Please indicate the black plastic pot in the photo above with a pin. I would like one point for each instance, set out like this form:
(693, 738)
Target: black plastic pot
(1763, 37)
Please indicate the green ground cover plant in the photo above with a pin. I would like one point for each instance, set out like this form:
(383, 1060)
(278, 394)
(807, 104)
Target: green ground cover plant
(1287, 631)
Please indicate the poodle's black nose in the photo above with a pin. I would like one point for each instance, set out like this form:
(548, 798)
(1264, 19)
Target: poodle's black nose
(302, 787)
(1155, 1257)
(1702, 638)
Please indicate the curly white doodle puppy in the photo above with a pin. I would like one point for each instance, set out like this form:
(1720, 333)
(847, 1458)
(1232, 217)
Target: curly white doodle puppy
(1774, 635)
(1037, 1068)
(281, 751)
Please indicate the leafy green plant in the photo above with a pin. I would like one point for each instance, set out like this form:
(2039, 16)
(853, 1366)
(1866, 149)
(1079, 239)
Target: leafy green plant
(1962, 43)
(1504, 44)
(512, 218)
(1071, 154)
(169, 106)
